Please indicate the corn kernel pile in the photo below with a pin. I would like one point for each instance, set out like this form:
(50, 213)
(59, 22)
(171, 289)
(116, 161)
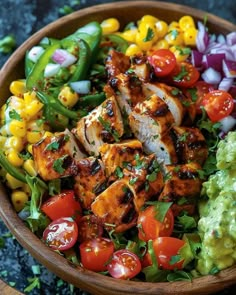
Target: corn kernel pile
(21, 117)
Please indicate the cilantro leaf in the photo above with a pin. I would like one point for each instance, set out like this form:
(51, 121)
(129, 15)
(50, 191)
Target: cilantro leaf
(14, 115)
(149, 36)
(58, 164)
(52, 146)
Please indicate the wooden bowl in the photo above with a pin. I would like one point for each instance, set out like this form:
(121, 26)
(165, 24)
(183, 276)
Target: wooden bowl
(14, 69)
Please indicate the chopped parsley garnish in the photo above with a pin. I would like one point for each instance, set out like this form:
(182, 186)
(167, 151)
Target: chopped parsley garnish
(149, 36)
(58, 164)
(174, 33)
(118, 172)
(107, 126)
(14, 115)
(182, 74)
(53, 146)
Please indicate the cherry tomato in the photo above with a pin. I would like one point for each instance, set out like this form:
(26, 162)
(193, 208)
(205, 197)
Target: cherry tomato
(218, 104)
(167, 252)
(62, 205)
(150, 228)
(61, 234)
(124, 265)
(95, 253)
(197, 93)
(184, 75)
(89, 228)
(163, 62)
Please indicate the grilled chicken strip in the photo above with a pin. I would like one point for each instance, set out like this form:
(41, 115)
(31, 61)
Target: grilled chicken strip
(115, 208)
(90, 181)
(121, 202)
(173, 97)
(118, 154)
(103, 124)
(150, 121)
(56, 156)
(140, 67)
(128, 91)
(116, 63)
(190, 144)
(182, 187)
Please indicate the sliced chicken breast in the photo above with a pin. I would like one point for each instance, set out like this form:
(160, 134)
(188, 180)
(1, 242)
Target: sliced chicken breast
(103, 124)
(119, 154)
(190, 144)
(182, 187)
(171, 95)
(56, 156)
(90, 181)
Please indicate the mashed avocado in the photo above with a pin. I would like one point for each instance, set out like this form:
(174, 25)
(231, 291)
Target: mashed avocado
(217, 224)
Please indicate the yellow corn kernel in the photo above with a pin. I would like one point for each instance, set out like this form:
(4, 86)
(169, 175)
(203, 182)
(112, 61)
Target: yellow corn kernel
(17, 128)
(186, 22)
(12, 182)
(26, 189)
(14, 158)
(173, 25)
(3, 140)
(161, 28)
(17, 88)
(132, 50)
(175, 37)
(30, 167)
(29, 97)
(149, 19)
(190, 36)
(161, 44)
(2, 114)
(110, 25)
(68, 97)
(30, 148)
(33, 109)
(19, 198)
(15, 142)
(47, 134)
(34, 136)
(130, 35)
(180, 53)
(146, 36)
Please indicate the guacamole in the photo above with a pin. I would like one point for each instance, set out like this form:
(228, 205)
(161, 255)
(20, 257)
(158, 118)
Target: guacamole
(217, 224)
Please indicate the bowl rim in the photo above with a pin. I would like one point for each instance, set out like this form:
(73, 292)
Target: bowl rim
(64, 269)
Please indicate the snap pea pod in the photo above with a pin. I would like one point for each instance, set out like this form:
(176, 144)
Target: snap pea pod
(56, 105)
(92, 100)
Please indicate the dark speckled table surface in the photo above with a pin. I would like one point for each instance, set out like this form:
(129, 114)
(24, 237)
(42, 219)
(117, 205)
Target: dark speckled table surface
(22, 18)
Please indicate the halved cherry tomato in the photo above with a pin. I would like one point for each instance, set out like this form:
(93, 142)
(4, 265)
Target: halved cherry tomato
(61, 234)
(197, 93)
(62, 205)
(167, 252)
(89, 228)
(95, 253)
(184, 75)
(150, 228)
(124, 265)
(218, 104)
(163, 62)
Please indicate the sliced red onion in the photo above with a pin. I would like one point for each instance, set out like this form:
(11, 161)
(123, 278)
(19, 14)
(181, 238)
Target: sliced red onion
(227, 123)
(214, 61)
(81, 87)
(63, 57)
(35, 53)
(211, 76)
(51, 70)
(231, 38)
(202, 39)
(229, 68)
(221, 39)
(196, 58)
(226, 84)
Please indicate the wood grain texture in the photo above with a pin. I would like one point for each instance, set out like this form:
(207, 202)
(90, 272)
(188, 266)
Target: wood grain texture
(14, 69)
(7, 290)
